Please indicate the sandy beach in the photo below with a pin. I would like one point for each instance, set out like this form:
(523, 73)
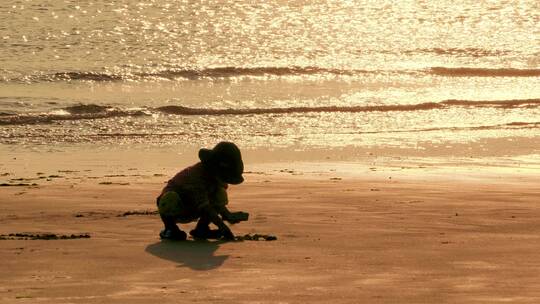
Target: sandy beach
(379, 235)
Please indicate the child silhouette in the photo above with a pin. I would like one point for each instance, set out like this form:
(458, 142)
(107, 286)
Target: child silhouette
(199, 193)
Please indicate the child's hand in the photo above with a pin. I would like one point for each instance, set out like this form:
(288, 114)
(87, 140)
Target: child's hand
(227, 233)
(236, 217)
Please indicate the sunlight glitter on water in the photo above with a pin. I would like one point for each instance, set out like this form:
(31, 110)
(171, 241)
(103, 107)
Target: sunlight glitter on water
(381, 35)
(174, 72)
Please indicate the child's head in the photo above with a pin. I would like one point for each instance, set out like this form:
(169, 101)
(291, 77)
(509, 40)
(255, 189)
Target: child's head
(225, 161)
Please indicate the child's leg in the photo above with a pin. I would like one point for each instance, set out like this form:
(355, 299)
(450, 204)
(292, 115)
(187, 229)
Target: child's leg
(169, 222)
(171, 230)
(203, 223)
(169, 206)
(203, 231)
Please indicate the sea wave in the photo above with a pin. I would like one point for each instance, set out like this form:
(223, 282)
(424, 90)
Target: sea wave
(80, 112)
(181, 73)
(180, 110)
(484, 72)
(184, 73)
(514, 103)
(461, 52)
(507, 104)
(93, 111)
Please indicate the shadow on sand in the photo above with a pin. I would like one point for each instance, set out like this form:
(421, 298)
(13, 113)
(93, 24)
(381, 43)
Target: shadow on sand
(197, 255)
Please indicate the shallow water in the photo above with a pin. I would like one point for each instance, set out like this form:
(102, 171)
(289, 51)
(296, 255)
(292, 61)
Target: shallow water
(304, 74)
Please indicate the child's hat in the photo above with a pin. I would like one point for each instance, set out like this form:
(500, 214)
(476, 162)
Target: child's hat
(225, 158)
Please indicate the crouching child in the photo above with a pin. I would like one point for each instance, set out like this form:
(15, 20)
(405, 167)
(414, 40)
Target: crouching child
(199, 193)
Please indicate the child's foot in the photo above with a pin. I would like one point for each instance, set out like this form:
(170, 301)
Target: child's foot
(207, 233)
(175, 235)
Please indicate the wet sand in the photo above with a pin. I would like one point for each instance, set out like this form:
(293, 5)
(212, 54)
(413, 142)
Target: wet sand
(387, 235)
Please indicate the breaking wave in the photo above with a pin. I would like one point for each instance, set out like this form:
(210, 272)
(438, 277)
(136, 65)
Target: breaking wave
(92, 111)
(507, 104)
(461, 52)
(484, 72)
(79, 112)
(186, 73)
(180, 110)
(231, 72)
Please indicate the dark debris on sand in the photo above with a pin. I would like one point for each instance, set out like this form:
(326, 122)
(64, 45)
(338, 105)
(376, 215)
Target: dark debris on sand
(143, 212)
(100, 214)
(111, 183)
(256, 237)
(42, 236)
(18, 185)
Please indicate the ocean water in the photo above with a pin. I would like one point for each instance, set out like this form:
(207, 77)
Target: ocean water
(268, 73)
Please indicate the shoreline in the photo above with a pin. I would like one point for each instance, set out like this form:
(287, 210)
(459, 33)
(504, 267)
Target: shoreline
(504, 155)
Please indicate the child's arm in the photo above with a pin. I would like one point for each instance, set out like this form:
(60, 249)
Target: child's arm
(223, 211)
(216, 220)
(220, 201)
(232, 217)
